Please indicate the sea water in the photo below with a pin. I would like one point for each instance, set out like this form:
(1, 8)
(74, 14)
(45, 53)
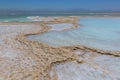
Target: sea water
(23, 16)
(99, 33)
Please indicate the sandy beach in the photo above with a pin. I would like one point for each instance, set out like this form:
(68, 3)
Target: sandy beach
(24, 59)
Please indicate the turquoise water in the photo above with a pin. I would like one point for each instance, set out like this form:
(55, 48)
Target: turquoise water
(14, 19)
(100, 33)
(22, 17)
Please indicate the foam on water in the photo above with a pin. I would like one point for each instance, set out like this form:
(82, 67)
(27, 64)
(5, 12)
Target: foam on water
(100, 33)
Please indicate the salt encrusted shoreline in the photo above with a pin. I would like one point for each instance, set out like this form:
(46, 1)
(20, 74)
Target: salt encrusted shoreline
(22, 59)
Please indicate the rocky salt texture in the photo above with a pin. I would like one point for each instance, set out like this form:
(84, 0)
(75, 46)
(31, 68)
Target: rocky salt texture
(22, 59)
(50, 19)
(93, 67)
(25, 60)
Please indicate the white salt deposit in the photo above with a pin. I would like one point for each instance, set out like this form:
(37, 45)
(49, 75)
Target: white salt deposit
(17, 28)
(60, 27)
(101, 68)
(9, 53)
(38, 18)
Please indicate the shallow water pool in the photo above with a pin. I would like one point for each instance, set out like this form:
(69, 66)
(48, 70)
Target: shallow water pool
(99, 33)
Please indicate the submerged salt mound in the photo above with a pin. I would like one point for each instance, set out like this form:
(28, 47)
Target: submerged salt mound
(98, 33)
(100, 67)
(60, 27)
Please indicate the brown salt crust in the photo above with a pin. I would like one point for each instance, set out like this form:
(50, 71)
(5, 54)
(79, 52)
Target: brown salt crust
(47, 56)
(35, 59)
(107, 52)
(84, 48)
(57, 20)
(44, 24)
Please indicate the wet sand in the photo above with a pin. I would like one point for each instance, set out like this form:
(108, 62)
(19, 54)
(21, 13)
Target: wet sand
(23, 59)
